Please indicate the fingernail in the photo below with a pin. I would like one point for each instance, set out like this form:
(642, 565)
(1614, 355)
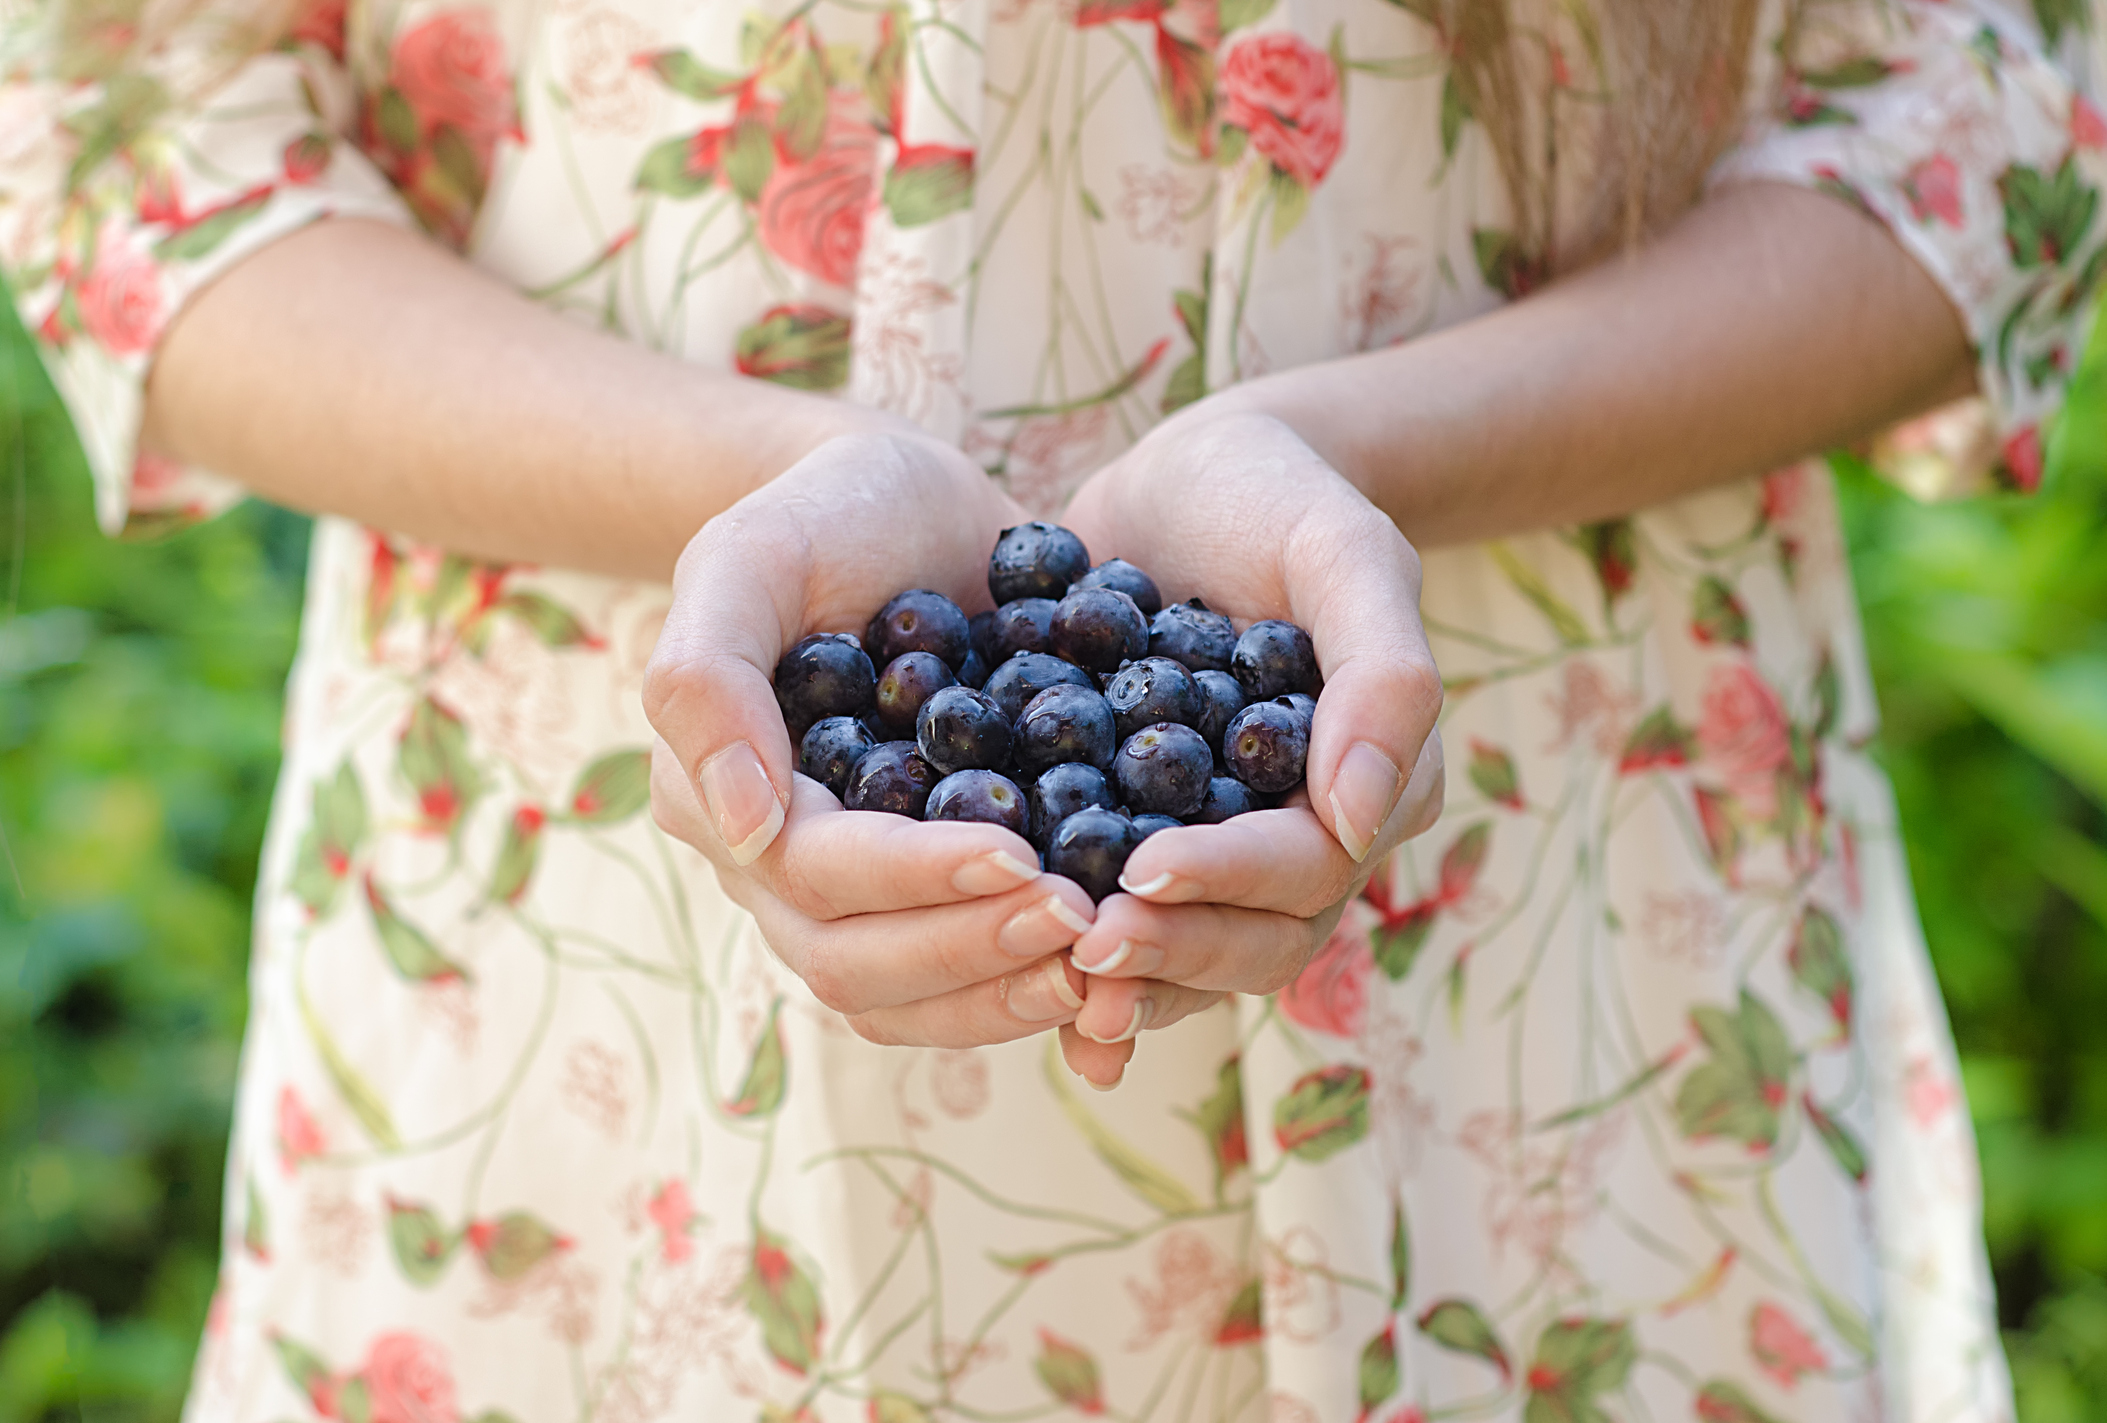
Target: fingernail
(1131, 959)
(741, 801)
(995, 872)
(1363, 794)
(1155, 886)
(1144, 1009)
(1041, 928)
(1111, 1086)
(1110, 961)
(1041, 994)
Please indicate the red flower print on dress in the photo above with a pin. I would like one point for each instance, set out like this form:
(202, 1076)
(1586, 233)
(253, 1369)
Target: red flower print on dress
(674, 1215)
(1331, 993)
(1284, 92)
(1781, 1348)
(811, 213)
(2088, 126)
(2022, 464)
(1933, 188)
(451, 71)
(1744, 736)
(299, 1134)
(120, 301)
(407, 1381)
(1929, 1093)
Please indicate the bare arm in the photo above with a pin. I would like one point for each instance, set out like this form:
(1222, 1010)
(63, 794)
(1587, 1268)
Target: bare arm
(357, 369)
(1771, 323)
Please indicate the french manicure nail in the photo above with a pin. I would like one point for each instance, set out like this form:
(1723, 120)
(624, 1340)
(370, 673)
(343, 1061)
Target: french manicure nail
(1111, 961)
(1155, 886)
(996, 872)
(1364, 792)
(1041, 928)
(741, 800)
(1113, 1086)
(1144, 1009)
(1041, 994)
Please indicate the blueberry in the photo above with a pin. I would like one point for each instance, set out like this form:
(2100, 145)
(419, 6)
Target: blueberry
(961, 729)
(1274, 658)
(1305, 703)
(1099, 628)
(1064, 723)
(1266, 745)
(1035, 560)
(1152, 690)
(1226, 796)
(831, 750)
(1194, 634)
(891, 777)
(1091, 848)
(1062, 791)
(824, 675)
(920, 620)
(909, 680)
(979, 795)
(1120, 574)
(1163, 770)
(973, 672)
(1023, 626)
(978, 629)
(1222, 697)
(1025, 675)
(1147, 825)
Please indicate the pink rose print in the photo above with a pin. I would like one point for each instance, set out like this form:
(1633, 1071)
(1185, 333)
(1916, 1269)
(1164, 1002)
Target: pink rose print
(407, 1381)
(1284, 92)
(1933, 188)
(299, 1134)
(1781, 1348)
(2088, 126)
(1930, 1094)
(1331, 993)
(811, 213)
(1744, 736)
(451, 70)
(674, 1215)
(120, 301)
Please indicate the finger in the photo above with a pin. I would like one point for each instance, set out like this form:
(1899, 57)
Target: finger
(1281, 860)
(1118, 1010)
(1100, 1065)
(1210, 946)
(1027, 1000)
(873, 961)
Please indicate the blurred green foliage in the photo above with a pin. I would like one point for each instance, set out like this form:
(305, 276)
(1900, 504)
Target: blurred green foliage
(139, 705)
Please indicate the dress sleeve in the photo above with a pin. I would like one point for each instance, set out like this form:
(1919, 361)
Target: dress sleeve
(1966, 128)
(134, 168)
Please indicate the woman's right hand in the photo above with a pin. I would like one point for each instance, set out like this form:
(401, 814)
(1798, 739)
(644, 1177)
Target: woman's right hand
(943, 934)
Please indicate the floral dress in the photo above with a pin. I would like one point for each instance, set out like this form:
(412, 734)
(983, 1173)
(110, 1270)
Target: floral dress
(1624, 1094)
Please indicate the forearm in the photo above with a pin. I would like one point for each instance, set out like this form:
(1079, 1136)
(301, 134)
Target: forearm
(1771, 323)
(356, 369)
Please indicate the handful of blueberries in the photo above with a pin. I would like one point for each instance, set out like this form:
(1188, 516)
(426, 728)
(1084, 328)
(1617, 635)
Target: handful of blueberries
(1080, 713)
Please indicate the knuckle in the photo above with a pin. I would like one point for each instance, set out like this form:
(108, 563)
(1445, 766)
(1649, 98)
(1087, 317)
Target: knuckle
(823, 974)
(671, 682)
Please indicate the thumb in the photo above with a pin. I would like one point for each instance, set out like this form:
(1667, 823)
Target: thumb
(737, 605)
(1353, 581)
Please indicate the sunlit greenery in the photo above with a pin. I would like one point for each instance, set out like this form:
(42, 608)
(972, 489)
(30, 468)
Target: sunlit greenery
(139, 704)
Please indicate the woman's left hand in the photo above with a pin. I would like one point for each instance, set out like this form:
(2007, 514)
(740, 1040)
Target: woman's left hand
(1237, 509)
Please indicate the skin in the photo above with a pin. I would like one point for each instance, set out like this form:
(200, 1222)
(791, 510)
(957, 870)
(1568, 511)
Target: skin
(354, 370)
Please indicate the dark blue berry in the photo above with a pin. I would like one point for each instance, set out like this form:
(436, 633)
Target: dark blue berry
(1035, 560)
(974, 670)
(1163, 770)
(1023, 626)
(978, 629)
(1064, 723)
(1091, 848)
(1226, 796)
(1063, 790)
(961, 729)
(824, 675)
(1147, 825)
(1266, 745)
(909, 680)
(1194, 634)
(831, 750)
(1120, 574)
(920, 620)
(1152, 690)
(892, 777)
(979, 795)
(1024, 676)
(1274, 658)
(1304, 703)
(1222, 697)
(1099, 628)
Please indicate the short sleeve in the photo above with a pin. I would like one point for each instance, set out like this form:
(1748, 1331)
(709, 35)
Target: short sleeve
(136, 168)
(1967, 130)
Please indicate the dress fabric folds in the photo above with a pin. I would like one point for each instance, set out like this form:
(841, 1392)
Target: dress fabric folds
(1625, 1093)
